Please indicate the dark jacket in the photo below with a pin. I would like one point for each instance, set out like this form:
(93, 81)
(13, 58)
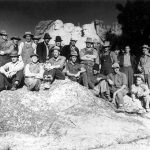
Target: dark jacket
(42, 52)
(132, 59)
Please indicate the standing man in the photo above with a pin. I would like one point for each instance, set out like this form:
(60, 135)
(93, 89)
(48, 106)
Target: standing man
(118, 88)
(144, 64)
(128, 65)
(106, 60)
(15, 41)
(11, 74)
(6, 48)
(43, 49)
(27, 48)
(36, 39)
(88, 57)
(66, 50)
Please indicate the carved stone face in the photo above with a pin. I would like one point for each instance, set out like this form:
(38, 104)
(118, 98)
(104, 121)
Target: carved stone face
(77, 31)
(68, 27)
(87, 30)
(58, 24)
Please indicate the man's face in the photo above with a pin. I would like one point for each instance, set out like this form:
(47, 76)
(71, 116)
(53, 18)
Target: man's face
(88, 45)
(4, 37)
(46, 41)
(106, 49)
(117, 51)
(145, 51)
(56, 53)
(15, 41)
(72, 42)
(14, 59)
(138, 81)
(28, 38)
(34, 59)
(58, 44)
(36, 41)
(95, 72)
(116, 70)
(74, 58)
(127, 49)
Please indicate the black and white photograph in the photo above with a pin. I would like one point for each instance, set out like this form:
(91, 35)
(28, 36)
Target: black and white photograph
(74, 75)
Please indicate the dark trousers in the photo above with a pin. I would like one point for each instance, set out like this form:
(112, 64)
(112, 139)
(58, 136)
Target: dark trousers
(82, 79)
(129, 74)
(147, 79)
(7, 83)
(55, 73)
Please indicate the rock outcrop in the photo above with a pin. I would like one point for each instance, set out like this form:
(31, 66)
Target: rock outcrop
(68, 116)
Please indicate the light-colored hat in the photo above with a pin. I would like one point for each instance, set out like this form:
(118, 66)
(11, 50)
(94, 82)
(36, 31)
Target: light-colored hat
(14, 54)
(56, 48)
(95, 41)
(89, 40)
(73, 38)
(28, 33)
(3, 32)
(115, 65)
(74, 53)
(145, 46)
(36, 37)
(106, 44)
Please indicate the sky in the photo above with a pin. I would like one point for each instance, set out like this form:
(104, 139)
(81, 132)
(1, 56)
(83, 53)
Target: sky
(18, 16)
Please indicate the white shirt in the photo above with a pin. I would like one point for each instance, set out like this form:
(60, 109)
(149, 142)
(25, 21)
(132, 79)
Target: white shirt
(12, 67)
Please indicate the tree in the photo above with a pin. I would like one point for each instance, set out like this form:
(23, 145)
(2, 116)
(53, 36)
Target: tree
(135, 20)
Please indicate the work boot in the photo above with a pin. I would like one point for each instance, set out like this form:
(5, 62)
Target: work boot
(120, 109)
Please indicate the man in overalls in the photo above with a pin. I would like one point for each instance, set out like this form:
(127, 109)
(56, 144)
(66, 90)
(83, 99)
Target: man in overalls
(27, 48)
(88, 58)
(106, 60)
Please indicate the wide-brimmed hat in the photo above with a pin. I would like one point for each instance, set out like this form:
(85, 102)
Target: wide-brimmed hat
(139, 76)
(95, 41)
(73, 38)
(34, 55)
(106, 44)
(89, 40)
(56, 48)
(74, 53)
(115, 65)
(36, 37)
(3, 32)
(28, 33)
(46, 36)
(15, 38)
(145, 46)
(58, 39)
(14, 54)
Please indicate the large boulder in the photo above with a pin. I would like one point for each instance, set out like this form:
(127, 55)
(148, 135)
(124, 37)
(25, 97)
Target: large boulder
(68, 116)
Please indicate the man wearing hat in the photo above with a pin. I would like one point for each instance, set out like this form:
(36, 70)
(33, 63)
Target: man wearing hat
(54, 67)
(36, 39)
(74, 70)
(11, 74)
(118, 86)
(15, 40)
(27, 48)
(43, 49)
(33, 73)
(88, 57)
(144, 64)
(58, 43)
(6, 47)
(67, 49)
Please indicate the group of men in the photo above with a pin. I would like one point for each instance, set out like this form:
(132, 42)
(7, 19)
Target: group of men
(109, 74)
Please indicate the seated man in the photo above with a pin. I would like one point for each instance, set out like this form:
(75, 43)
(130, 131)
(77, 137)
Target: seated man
(118, 88)
(74, 70)
(33, 74)
(140, 92)
(54, 67)
(98, 82)
(11, 74)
